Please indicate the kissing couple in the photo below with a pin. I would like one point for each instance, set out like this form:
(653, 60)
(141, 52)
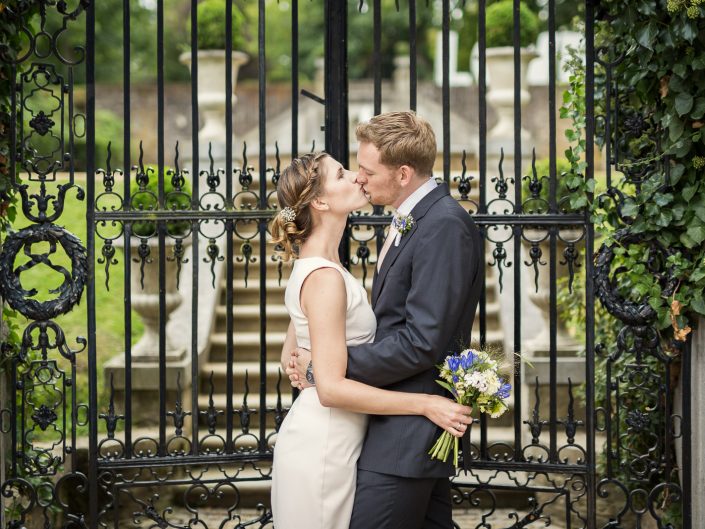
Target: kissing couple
(353, 450)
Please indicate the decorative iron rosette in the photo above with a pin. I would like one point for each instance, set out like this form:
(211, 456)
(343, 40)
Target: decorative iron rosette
(69, 292)
(630, 312)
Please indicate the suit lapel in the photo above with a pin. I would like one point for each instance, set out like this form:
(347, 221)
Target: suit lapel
(417, 213)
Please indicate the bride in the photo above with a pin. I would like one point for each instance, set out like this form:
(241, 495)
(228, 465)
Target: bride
(319, 442)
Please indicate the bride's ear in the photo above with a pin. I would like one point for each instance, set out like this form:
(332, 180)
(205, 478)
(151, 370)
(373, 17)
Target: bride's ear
(319, 204)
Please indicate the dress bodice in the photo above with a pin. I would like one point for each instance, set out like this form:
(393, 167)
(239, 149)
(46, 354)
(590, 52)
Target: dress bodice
(360, 324)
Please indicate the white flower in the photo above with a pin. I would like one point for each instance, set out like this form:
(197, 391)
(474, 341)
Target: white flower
(498, 410)
(492, 382)
(476, 380)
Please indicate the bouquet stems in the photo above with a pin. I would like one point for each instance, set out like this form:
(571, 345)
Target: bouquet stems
(442, 447)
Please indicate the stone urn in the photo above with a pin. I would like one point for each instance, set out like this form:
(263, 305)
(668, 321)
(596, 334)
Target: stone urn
(500, 93)
(144, 289)
(211, 89)
(540, 297)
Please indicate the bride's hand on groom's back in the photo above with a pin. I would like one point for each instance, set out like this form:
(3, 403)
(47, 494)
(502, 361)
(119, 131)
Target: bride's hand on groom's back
(297, 366)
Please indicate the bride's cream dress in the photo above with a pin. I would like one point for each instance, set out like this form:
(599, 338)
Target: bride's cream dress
(316, 452)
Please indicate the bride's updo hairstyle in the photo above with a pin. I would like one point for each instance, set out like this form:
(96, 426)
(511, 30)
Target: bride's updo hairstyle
(299, 184)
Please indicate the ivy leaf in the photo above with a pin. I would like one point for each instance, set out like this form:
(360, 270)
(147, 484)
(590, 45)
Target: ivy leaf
(675, 130)
(689, 192)
(678, 211)
(676, 173)
(663, 199)
(684, 102)
(646, 35)
(697, 233)
(686, 240)
(679, 69)
(698, 304)
(698, 110)
(700, 210)
(630, 209)
(698, 63)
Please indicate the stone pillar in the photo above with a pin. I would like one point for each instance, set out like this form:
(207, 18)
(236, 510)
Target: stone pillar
(696, 419)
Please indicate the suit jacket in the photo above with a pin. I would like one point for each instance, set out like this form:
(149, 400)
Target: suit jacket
(424, 296)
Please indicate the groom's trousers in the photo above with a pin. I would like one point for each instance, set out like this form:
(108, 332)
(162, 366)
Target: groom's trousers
(383, 501)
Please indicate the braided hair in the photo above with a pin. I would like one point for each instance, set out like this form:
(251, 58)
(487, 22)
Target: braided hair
(300, 183)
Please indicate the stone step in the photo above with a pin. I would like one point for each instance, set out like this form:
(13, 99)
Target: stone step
(246, 346)
(247, 293)
(240, 370)
(246, 318)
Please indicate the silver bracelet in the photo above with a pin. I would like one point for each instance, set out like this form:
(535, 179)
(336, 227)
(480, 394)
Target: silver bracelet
(309, 374)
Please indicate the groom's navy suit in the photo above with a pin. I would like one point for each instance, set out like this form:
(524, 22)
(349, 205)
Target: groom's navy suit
(424, 297)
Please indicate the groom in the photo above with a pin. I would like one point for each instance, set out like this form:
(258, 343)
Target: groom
(425, 291)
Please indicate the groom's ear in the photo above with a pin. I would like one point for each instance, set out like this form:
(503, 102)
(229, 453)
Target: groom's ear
(407, 174)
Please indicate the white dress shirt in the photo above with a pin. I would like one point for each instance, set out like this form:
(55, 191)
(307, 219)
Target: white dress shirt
(404, 210)
(410, 203)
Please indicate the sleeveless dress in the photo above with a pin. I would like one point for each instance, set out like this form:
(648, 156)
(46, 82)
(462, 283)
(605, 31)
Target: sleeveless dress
(317, 448)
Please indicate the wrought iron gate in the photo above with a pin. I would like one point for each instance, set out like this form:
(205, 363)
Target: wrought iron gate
(151, 447)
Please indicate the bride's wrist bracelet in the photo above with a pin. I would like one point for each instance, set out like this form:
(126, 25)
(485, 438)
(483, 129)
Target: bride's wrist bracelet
(309, 374)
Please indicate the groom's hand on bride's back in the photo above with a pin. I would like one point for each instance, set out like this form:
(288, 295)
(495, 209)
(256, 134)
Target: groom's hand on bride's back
(297, 367)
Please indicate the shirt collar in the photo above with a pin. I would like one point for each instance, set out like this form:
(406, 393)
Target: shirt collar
(408, 205)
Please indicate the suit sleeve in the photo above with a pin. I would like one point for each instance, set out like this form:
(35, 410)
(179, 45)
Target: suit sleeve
(443, 267)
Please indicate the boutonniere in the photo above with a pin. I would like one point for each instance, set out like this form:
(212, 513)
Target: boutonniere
(403, 224)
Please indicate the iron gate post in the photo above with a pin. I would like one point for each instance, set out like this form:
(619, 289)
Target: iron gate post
(336, 94)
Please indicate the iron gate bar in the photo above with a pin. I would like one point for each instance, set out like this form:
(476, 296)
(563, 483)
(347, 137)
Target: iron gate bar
(161, 228)
(294, 78)
(589, 268)
(382, 220)
(552, 208)
(229, 251)
(412, 55)
(195, 257)
(377, 55)
(445, 29)
(262, 229)
(178, 461)
(127, 269)
(90, 287)
(517, 230)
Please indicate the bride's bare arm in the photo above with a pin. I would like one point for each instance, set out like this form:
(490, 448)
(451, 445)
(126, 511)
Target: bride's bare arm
(289, 346)
(323, 300)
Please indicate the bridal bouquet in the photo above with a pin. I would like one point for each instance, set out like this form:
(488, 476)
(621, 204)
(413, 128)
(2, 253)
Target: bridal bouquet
(474, 380)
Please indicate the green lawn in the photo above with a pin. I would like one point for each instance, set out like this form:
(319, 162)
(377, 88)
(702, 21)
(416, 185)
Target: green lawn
(109, 305)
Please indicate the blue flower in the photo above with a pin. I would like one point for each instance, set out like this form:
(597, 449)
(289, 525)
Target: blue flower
(467, 359)
(504, 390)
(453, 363)
(403, 223)
(455, 379)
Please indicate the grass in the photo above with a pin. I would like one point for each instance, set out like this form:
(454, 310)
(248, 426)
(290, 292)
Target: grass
(109, 306)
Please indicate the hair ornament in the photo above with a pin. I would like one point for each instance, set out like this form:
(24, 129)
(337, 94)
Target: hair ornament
(288, 214)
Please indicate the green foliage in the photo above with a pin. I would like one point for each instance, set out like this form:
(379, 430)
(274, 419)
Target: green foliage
(500, 23)
(147, 199)
(211, 25)
(663, 72)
